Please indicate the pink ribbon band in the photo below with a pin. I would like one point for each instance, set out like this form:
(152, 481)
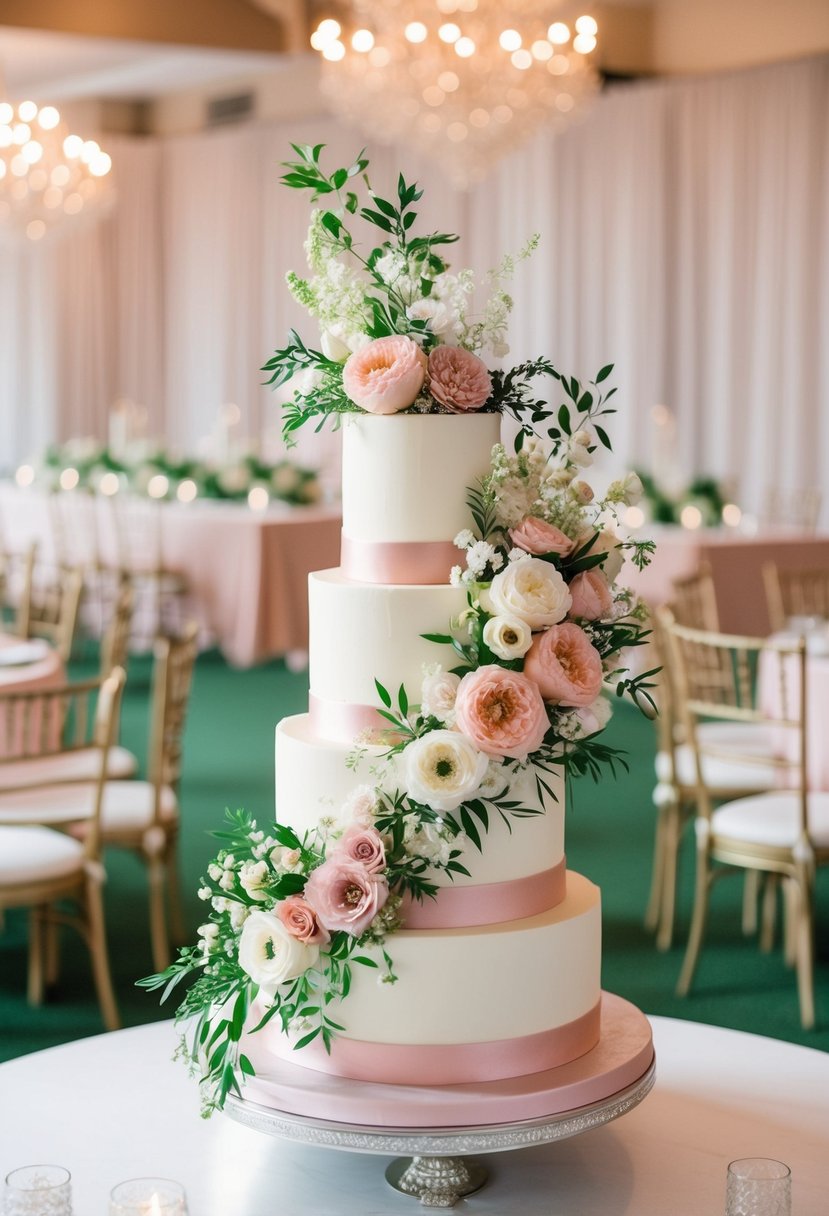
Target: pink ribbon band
(446, 1063)
(401, 562)
(489, 903)
(343, 720)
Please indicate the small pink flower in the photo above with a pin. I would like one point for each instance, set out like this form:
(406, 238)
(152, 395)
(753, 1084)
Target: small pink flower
(386, 375)
(458, 379)
(364, 845)
(501, 711)
(345, 895)
(536, 536)
(591, 596)
(300, 920)
(565, 665)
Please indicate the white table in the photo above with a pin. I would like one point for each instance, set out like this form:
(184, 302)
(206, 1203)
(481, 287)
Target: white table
(116, 1107)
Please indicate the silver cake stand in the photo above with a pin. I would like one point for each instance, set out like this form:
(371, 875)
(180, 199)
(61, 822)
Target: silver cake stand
(434, 1168)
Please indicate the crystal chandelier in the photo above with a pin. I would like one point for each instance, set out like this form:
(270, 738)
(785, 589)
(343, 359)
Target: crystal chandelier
(466, 81)
(47, 175)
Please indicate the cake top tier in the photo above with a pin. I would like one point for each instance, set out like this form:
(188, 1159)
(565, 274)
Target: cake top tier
(405, 484)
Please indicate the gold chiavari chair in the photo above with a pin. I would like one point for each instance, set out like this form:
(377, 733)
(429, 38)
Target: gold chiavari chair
(795, 593)
(48, 606)
(115, 640)
(785, 830)
(143, 816)
(675, 790)
(42, 868)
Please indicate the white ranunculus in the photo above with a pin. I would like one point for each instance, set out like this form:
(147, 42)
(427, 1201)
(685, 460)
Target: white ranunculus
(270, 955)
(443, 769)
(534, 591)
(507, 637)
(437, 695)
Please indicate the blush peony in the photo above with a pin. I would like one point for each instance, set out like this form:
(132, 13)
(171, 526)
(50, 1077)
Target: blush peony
(300, 919)
(501, 711)
(345, 895)
(591, 596)
(385, 376)
(533, 590)
(565, 665)
(536, 536)
(458, 379)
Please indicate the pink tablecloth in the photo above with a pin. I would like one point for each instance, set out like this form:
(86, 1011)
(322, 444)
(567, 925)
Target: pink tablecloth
(736, 564)
(247, 571)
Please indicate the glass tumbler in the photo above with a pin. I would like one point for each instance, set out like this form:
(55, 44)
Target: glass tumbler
(758, 1186)
(148, 1197)
(38, 1190)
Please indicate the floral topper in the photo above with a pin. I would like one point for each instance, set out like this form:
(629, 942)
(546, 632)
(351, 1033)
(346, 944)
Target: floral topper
(398, 328)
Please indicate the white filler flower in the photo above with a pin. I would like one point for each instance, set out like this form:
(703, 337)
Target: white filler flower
(443, 769)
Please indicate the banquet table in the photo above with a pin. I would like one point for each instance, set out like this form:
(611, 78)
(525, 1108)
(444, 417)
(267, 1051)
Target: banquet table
(736, 564)
(116, 1106)
(246, 571)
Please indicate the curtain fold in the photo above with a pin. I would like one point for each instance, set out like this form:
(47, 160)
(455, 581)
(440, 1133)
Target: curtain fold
(685, 237)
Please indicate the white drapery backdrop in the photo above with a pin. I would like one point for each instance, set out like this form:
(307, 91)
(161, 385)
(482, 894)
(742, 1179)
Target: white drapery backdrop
(685, 237)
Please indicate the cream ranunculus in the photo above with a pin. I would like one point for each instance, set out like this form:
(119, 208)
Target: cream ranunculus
(442, 769)
(508, 637)
(270, 954)
(533, 590)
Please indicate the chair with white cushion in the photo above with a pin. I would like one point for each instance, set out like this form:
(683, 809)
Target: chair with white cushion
(43, 869)
(49, 603)
(143, 816)
(728, 775)
(790, 594)
(782, 832)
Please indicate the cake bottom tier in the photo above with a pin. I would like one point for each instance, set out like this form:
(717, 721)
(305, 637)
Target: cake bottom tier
(472, 1004)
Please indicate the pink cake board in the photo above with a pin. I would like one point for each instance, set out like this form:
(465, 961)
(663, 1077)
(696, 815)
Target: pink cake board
(624, 1053)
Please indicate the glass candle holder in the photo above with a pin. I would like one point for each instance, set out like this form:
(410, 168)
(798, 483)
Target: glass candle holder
(758, 1186)
(38, 1190)
(148, 1197)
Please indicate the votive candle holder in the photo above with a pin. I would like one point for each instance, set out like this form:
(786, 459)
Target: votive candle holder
(148, 1197)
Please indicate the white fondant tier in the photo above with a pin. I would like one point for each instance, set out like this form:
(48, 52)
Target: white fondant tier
(472, 1003)
(406, 476)
(360, 632)
(312, 780)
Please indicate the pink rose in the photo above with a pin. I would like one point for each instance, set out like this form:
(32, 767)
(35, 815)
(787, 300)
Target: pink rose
(501, 711)
(538, 537)
(364, 845)
(345, 895)
(458, 379)
(386, 375)
(565, 665)
(300, 920)
(591, 596)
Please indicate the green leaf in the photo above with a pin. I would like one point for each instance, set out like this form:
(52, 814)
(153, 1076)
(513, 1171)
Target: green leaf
(385, 206)
(403, 700)
(383, 694)
(306, 1039)
(364, 960)
(564, 419)
(602, 436)
(379, 221)
(604, 373)
(246, 1066)
(331, 223)
(339, 178)
(443, 639)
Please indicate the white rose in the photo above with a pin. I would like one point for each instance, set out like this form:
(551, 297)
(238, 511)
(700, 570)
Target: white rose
(508, 637)
(443, 769)
(437, 695)
(270, 955)
(534, 591)
(252, 875)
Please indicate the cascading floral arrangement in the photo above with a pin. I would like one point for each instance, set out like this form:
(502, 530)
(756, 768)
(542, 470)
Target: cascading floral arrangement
(541, 636)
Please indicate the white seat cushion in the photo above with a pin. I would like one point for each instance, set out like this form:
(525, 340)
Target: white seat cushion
(718, 773)
(34, 854)
(127, 804)
(80, 765)
(772, 819)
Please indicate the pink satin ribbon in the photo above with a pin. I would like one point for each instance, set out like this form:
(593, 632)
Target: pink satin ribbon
(447, 1063)
(401, 562)
(489, 903)
(343, 720)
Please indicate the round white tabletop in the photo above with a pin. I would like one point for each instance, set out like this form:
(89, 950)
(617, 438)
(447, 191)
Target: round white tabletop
(116, 1107)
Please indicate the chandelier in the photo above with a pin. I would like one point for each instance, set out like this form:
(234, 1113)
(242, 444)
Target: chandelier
(465, 81)
(48, 176)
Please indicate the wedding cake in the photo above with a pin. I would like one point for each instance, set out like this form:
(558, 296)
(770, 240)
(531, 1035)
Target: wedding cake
(408, 919)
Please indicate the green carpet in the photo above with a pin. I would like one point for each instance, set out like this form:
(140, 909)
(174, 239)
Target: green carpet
(229, 762)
